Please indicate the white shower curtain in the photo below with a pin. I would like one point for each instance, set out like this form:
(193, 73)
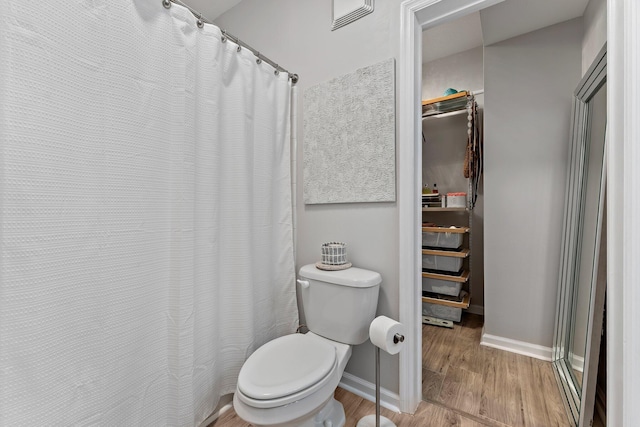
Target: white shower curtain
(145, 213)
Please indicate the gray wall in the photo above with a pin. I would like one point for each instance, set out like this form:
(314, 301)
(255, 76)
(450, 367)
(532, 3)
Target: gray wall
(443, 152)
(297, 34)
(528, 84)
(529, 81)
(461, 71)
(595, 31)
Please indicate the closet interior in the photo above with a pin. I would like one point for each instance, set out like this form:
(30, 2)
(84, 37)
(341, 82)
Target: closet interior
(452, 170)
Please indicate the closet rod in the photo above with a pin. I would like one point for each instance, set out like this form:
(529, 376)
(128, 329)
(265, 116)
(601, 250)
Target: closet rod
(225, 35)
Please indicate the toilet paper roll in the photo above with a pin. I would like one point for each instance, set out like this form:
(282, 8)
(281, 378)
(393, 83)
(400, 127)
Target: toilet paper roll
(382, 333)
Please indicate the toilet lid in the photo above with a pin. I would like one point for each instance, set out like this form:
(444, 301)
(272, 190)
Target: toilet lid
(285, 366)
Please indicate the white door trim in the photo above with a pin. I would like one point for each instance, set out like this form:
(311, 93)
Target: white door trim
(623, 297)
(623, 211)
(415, 15)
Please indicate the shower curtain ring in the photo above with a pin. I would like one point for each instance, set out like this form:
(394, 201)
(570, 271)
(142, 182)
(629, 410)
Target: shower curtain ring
(224, 36)
(277, 71)
(200, 22)
(166, 4)
(258, 59)
(239, 46)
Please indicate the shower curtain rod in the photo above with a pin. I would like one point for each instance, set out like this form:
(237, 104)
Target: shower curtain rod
(225, 35)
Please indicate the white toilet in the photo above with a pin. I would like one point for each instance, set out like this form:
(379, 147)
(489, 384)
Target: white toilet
(290, 381)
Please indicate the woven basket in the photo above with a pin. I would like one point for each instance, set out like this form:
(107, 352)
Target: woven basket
(334, 253)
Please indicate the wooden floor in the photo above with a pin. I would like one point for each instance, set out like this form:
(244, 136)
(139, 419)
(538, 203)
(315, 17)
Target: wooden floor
(355, 407)
(466, 385)
(495, 387)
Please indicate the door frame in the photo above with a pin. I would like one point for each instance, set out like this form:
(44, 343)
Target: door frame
(415, 17)
(623, 197)
(623, 210)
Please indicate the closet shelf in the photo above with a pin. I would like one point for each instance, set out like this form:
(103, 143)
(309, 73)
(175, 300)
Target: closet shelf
(464, 304)
(448, 277)
(464, 253)
(459, 230)
(446, 272)
(461, 94)
(444, 209)
(445, 104)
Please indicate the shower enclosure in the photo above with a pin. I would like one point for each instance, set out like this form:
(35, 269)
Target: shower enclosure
(145, 215)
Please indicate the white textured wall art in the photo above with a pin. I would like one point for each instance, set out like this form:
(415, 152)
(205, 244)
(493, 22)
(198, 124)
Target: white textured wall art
(349, 137)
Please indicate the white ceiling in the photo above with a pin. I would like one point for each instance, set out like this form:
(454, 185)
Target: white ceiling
(452, 37)
(500, 22)
(515, 17)
(211, 9)
(494, 24)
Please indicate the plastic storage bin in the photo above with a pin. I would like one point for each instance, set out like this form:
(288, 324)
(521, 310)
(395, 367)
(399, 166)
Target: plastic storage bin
(441, 312)
(442, 240)
(444, 287)
(456, 200)
(442, 263)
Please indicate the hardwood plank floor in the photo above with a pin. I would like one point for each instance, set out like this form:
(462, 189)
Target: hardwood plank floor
(487, 384)
(355, 407)
(466, 385)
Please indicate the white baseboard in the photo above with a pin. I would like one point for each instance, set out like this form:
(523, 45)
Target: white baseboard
(225, 405)
(367, 390)
(519, 347)
(476, 309)
(577, 363)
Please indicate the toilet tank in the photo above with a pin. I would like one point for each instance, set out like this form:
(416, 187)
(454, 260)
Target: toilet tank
(339, 305)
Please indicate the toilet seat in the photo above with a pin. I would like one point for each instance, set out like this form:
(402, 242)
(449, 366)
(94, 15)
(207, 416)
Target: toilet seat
(285, 370)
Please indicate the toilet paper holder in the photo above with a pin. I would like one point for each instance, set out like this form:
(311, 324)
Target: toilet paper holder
(398, 338)
(377, 420)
